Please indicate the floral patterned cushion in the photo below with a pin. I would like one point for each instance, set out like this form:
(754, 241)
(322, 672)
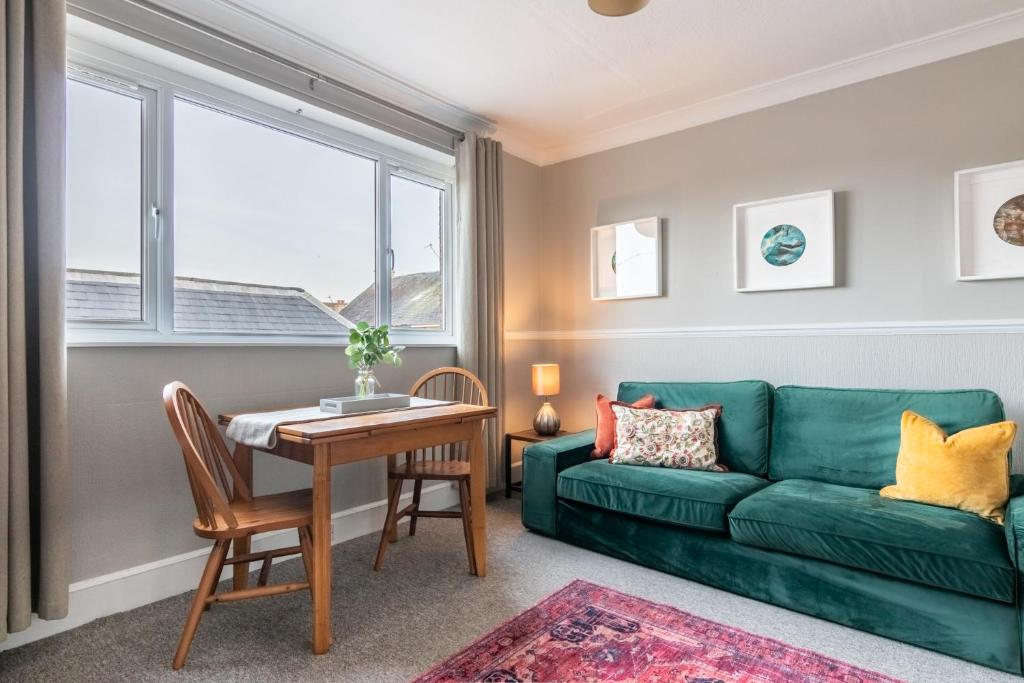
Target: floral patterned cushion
(682, 439)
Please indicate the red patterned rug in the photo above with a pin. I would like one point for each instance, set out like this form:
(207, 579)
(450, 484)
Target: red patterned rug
(586, 632)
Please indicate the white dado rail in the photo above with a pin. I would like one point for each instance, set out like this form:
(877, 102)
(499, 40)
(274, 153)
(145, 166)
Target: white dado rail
(923, 327)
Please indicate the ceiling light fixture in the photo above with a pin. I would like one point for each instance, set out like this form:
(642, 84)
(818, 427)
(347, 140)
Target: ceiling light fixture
(617, 8)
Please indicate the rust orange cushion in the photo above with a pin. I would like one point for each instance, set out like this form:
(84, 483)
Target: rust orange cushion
(968, 471)
(604, 438)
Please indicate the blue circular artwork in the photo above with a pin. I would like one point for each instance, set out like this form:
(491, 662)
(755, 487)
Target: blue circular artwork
(783, 245)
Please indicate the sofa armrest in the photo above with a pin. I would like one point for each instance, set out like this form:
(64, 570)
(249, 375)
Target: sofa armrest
(1013, 524)
(541, 464)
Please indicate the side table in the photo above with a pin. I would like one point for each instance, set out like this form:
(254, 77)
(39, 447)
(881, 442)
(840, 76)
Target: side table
(526, 436)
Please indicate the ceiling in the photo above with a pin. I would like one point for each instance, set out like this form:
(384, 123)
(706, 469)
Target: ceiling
(559, 81)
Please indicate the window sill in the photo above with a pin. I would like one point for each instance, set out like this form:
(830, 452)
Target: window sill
(102, 338)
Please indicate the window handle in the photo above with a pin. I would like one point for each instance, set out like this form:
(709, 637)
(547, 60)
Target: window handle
(154, 211)
(391, 260)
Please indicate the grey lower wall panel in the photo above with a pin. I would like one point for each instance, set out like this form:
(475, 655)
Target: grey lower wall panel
(918, 361)
(130, 500)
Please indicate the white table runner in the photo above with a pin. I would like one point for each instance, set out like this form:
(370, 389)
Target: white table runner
(259, 430)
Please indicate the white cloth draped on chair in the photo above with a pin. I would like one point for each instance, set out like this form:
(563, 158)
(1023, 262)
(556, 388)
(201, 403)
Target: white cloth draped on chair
(480, 279)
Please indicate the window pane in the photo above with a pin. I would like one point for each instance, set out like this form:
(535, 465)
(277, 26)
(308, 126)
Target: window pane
(105, 221)
(273, 233)
(417, 286)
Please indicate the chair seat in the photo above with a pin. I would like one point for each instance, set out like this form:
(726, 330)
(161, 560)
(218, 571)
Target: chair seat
(431, 469)
(263, 513)
(690, 498)
(856, 527)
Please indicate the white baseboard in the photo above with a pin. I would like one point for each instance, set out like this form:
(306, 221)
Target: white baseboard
(140, 585)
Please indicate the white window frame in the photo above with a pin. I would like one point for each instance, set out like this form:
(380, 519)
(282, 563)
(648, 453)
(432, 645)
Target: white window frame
(97, 65)
(149, 192)
(447, 247)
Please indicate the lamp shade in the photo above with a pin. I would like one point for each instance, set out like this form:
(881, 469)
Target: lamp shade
(545, 379)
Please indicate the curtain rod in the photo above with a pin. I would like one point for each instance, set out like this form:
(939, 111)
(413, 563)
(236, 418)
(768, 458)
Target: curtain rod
(313, 75)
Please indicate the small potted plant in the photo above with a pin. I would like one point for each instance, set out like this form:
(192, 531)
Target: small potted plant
(369, 346)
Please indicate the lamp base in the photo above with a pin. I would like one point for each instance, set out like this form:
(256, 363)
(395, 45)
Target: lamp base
(546, 422)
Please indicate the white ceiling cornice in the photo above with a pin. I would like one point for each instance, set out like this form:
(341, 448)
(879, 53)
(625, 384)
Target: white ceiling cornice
(291, 41)
(288, 41)
(524, 149)
(961, 40)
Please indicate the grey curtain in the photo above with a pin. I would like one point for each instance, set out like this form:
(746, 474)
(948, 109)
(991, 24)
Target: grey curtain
(480, 279)
(33, 396)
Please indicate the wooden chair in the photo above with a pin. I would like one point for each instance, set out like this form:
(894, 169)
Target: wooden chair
(449, 462)
(225, 517)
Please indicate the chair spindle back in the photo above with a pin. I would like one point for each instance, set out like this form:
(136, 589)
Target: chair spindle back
(211, 469)
(450, 384)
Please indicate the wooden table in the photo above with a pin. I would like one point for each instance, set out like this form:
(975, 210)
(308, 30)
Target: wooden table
(526, 436)
(343, 440)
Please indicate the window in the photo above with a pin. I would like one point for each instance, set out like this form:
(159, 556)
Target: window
(273, 232)
(417, 243)
(207, 216)
(105, 203)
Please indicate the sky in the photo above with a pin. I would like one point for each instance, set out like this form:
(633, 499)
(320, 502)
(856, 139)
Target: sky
(252, 204)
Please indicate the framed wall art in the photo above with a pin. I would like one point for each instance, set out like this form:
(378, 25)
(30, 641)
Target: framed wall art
(784, 243)
(989, 222)
(625, 260)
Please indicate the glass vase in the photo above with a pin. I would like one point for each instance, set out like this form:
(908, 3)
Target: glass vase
(366, 383)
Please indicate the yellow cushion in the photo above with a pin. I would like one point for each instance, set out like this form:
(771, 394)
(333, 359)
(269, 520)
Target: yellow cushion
(969, 470)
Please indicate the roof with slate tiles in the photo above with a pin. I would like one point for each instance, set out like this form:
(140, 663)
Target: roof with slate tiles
(416, 301)
(205, 305)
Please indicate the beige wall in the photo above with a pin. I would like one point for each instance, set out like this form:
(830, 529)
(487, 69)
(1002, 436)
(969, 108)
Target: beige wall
(525, 284)
(130, 498)
(888, 147)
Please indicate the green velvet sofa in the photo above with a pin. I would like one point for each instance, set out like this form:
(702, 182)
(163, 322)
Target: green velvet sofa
(797, 521)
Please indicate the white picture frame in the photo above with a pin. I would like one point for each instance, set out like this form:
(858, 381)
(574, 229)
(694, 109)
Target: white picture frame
(625, 260)
(979, 196)
(798, 254)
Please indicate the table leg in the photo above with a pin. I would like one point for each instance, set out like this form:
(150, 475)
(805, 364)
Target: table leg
(508, 466)
(243, 462)
(478, 501)
(392, 462)
(321, 549)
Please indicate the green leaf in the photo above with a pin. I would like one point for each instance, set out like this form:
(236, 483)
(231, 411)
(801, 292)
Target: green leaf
(369, 346)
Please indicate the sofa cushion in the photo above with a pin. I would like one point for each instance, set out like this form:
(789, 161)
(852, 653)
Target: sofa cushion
(745, 426)
(852, 436)
(858, 528)
(690, 498)
(604, 430)
(968, 470)
(678, 439)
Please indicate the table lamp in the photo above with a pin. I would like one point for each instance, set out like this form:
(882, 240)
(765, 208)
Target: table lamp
(545, 384)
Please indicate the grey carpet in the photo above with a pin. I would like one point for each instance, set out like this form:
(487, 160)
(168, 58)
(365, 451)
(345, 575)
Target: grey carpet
(424, 606)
